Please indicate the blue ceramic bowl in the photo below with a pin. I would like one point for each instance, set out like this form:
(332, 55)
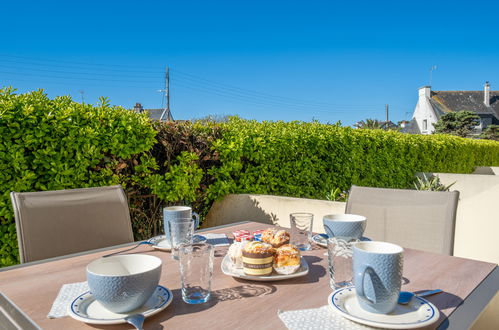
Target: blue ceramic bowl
(346, 226)
(123, 283)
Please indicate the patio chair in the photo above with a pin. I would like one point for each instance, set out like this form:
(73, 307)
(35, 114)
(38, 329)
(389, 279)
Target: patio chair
(61, 222)
(423, 220)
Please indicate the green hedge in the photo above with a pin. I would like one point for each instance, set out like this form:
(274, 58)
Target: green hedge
(60, 144)
(309, 159)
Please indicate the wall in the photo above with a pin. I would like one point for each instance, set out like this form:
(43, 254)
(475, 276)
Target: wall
(268, 209)
(477, 220)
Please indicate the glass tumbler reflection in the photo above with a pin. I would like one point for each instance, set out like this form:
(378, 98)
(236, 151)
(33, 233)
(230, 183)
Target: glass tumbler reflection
(181, 232)
(196, 271)
(340, 254)
(301, 230)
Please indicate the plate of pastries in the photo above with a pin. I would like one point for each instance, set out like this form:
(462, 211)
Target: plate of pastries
(265, 256)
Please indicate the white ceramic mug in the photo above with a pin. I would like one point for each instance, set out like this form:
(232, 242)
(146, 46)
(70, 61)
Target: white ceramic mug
(172, 213)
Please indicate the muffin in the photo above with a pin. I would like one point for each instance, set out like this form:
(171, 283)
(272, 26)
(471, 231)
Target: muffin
(275, 237)
(287, 259)
(258, 258)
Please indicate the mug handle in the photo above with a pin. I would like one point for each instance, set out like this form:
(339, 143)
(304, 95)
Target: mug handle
(195, 216)
(360, 288)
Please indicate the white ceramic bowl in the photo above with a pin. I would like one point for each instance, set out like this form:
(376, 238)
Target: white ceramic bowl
(344, 225)
(122, 283)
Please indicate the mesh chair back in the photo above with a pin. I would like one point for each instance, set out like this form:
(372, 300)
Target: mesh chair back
(55, 223)
(423, 220)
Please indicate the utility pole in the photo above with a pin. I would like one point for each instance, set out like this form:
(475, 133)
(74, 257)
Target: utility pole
(82, 99)
(386, 107)
(167, 112)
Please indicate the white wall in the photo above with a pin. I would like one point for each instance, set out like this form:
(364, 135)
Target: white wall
(269, 209)
(424, 110)
(477, 219)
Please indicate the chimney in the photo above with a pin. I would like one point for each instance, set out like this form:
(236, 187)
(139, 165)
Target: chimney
(486, 94)
(138, 107)
(424, 92)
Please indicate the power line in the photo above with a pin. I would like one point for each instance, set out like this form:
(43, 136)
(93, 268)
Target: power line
(185, 76)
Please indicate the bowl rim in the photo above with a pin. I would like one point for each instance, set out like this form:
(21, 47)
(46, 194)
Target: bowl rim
(123, 256)
(344, 217)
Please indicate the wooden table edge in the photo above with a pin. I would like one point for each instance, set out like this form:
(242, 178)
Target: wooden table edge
(471, 307)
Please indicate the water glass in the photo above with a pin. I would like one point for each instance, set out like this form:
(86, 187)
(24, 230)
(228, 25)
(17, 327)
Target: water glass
(340, 257)
(181, 232)
(301, 230)
(175, 213)
(196, 271)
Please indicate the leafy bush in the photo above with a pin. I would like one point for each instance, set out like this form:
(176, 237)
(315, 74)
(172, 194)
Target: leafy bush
(307, 159)
(60, 144)
(173, 172)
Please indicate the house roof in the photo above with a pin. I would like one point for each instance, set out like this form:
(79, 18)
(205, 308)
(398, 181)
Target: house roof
(154, 113)
(453, 101)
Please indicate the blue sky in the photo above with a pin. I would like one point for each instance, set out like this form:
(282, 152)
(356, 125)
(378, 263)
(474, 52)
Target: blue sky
(264, 60)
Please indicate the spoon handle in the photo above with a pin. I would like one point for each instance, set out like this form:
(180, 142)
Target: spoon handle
(428, 293)
(129, 249)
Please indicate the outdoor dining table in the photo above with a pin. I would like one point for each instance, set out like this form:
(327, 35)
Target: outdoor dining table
(31, 288)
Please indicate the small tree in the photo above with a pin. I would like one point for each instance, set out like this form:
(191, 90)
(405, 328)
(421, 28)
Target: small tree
(491, 133)
(459, 123)
(368, 124)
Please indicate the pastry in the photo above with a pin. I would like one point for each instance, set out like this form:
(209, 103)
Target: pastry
(257, 258)
(275, 237)
(287, 259)
(236, 253)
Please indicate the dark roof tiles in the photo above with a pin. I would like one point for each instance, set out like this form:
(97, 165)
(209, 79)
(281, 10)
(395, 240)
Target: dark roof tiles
(453, 101)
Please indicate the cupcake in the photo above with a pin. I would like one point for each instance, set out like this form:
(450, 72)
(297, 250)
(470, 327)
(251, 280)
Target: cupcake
(287, 259)
(275, 237)
(258, 258)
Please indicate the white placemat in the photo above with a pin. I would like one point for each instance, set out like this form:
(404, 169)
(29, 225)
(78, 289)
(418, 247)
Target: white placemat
(323, 318)
(217, 239)
(67, 294)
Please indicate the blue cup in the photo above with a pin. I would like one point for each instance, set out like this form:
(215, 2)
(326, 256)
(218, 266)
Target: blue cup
(175, 213)
(123, 283)
(344, 226)
(377, 268)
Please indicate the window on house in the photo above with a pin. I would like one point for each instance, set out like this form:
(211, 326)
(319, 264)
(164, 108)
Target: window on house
(425, 124)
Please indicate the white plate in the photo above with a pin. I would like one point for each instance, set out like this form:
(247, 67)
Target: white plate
(163, 244)
(86, 309)
(229, 269)
(417, 313)
(321, 239)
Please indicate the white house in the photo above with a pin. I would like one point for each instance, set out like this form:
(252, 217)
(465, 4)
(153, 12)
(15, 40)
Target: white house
(433, 104)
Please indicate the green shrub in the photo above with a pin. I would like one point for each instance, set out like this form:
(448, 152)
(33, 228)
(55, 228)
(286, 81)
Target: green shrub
(173, 172)
(60, 144)
(307, 159)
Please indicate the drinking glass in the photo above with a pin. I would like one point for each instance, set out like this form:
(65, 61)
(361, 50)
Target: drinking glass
(301, 230)
(196, 271)
(340, 258)
(181, 232)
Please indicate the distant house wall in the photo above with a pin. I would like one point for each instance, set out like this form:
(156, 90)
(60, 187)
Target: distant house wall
(424, 112)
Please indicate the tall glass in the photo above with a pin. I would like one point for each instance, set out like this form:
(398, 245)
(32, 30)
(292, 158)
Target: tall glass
(301, 230)
(340, 254)
(196, 271)
(181, 232)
